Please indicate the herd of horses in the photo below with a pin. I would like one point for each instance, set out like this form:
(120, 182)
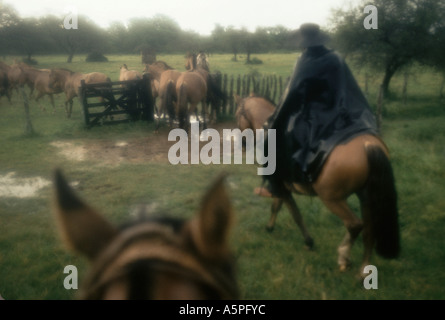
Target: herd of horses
(166, 258)
(179, 92)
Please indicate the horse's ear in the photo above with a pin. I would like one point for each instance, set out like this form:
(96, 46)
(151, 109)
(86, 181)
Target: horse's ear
(211, 227)
(81, 227)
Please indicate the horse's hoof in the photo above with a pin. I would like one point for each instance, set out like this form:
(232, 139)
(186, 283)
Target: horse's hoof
(343, 268)
(309, 244)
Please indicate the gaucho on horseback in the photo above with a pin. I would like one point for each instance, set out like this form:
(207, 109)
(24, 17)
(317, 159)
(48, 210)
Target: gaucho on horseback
(321, 107)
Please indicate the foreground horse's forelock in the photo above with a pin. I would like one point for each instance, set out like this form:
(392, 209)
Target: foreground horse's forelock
(159, 258)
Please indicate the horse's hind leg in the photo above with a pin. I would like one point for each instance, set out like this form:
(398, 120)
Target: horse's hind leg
(276, 206)
(295, 212)
(353, 226)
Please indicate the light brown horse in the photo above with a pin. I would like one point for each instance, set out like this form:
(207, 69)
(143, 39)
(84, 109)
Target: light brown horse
(125, 74)
(17, 77)
(199, 64)
(359, 166)
(71, 82)
(191, 90)
(164, 78)
(152, 258)
(252, 112)
(40, 80)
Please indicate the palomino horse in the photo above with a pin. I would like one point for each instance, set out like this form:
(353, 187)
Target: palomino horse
(71, 81)
(154, 258)
(359, 166)
(252, 112)
(164, 78)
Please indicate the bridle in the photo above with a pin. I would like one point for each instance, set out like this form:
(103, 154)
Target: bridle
(160, 245)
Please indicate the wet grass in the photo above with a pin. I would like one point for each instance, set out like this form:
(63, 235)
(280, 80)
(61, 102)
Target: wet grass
(271, 265)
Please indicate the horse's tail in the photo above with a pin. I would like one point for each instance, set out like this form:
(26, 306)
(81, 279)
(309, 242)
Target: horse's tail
(182, 105)
(167, 105)
(381, 199)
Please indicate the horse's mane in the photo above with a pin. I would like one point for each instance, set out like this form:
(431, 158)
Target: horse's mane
(163, 65)
(64, 69)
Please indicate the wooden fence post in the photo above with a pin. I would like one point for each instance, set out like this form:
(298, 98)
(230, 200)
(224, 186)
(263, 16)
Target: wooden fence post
(84, 102)
(29, 130)
(231, 95)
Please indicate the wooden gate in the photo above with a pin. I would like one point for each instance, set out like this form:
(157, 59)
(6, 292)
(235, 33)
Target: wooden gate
(116, 102)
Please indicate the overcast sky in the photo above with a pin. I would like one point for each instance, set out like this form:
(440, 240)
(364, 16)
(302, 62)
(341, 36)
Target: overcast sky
(196, 15)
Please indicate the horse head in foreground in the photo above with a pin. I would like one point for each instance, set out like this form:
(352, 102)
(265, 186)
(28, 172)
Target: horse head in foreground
(160, 258)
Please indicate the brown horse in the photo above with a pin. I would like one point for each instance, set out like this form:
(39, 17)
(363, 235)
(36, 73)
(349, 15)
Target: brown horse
(71, 81)
(199, 63)
(17, 77)
(359, 166)
(154, 258)
(164, 78)
(252, 112)
(40, 80)
(191, 90)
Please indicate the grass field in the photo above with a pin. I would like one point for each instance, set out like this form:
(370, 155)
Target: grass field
(118, 167)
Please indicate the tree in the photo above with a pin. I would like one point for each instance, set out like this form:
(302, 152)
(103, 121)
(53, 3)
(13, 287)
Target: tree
(88, 37)
(405, 29)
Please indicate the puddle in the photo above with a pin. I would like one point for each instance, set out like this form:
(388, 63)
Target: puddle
(70, 150)
(21, 187)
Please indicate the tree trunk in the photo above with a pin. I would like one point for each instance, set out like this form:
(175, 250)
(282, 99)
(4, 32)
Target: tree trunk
(389, 72)
(70, 58)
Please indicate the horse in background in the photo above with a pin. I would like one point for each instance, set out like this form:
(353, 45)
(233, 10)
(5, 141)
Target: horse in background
(252, 112)
(71, 82)
(40, 80)
(165, 77)
(17, 78)
(158, 257)
(200, 64)
(126, 75)
(202, 61)
(191, 90)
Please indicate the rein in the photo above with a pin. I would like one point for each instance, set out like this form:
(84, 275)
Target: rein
(159, 244)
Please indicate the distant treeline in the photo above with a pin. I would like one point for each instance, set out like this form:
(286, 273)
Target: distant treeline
(161, 34)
